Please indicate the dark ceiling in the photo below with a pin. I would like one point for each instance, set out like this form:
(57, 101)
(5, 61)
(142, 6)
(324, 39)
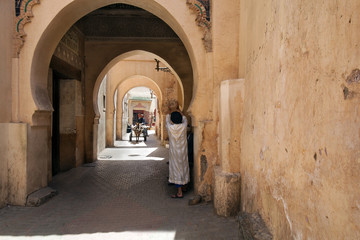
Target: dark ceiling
(124, 21)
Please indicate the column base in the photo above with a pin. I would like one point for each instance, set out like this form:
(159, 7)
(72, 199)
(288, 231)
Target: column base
(226, 193)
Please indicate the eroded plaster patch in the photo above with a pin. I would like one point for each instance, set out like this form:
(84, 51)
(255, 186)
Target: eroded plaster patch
(204, 166)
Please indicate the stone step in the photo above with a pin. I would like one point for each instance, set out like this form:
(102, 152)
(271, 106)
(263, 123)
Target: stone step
(39, 197)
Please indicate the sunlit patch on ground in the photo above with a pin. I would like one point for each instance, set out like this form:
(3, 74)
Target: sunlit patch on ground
(156, 235)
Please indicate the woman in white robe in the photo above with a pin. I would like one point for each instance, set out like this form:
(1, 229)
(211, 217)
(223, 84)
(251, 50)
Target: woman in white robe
(178, 154)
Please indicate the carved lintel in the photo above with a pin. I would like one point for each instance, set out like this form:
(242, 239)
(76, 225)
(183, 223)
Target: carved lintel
(202, 21)
(19, 23)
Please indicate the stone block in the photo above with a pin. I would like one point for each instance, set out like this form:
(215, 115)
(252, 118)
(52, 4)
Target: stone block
(226, 193)
(253, 227)
(39, 197)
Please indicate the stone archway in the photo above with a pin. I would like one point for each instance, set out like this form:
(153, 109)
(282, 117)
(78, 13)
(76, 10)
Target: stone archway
(104, 134)
(116, 60)
(122, 71)
(126, 86)
(45, 32)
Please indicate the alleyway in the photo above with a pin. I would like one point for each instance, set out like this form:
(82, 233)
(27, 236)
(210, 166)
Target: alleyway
(124, 195)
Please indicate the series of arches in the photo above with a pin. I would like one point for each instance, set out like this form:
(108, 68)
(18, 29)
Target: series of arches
(49, 24)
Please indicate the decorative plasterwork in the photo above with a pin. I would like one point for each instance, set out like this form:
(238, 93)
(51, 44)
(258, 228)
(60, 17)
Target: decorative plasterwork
(23, 14)
(203, 20)
(68, 49)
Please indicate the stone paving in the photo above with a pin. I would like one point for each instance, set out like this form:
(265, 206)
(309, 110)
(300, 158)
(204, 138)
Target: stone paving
(124, 195)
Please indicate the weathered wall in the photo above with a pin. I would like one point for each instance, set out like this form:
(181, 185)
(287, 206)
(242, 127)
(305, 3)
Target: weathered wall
(38, 153)
(300, 150)
(4, 182)
(224, 66)
(13, 149)
(6, 19)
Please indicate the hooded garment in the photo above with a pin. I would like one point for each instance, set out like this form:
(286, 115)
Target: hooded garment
(178, 152)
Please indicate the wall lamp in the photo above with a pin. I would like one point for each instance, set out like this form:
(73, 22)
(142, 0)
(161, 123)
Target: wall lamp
(158, 68)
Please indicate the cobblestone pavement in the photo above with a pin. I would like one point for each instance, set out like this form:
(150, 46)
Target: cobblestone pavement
(124, 195)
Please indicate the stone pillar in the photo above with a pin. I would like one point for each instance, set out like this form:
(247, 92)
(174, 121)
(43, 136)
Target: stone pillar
(13, 148)
(95, 139)
(164, 135)
(119, 116)
(39, 143)
(226, 192)
(109, 115)
(227, 175)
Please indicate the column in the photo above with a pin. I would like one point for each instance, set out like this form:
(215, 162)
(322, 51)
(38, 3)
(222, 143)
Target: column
(227, 175)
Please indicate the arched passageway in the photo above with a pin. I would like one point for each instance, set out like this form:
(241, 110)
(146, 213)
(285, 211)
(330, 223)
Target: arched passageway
(78, 55)
(135, 68)
(272, 137)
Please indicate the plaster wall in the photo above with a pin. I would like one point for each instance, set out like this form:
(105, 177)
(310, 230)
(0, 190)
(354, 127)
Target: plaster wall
(230, 124)
(13, 149)
(38, 154)
(301, 136)
(6, 17)
(4, 181)
(223, 65)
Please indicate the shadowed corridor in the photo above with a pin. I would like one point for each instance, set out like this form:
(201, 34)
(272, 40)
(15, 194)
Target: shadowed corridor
(123, 195)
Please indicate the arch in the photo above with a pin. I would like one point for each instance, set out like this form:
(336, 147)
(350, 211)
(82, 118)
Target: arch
(125, 86)
(144, 81)
(113, 62)
(65, 13)
(52, 19)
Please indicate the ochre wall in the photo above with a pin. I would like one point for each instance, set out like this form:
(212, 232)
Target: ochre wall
(300, 151)
(223, 65)
(6, 17)
(13, 176)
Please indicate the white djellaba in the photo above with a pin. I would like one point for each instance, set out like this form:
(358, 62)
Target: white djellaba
(178, 152)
